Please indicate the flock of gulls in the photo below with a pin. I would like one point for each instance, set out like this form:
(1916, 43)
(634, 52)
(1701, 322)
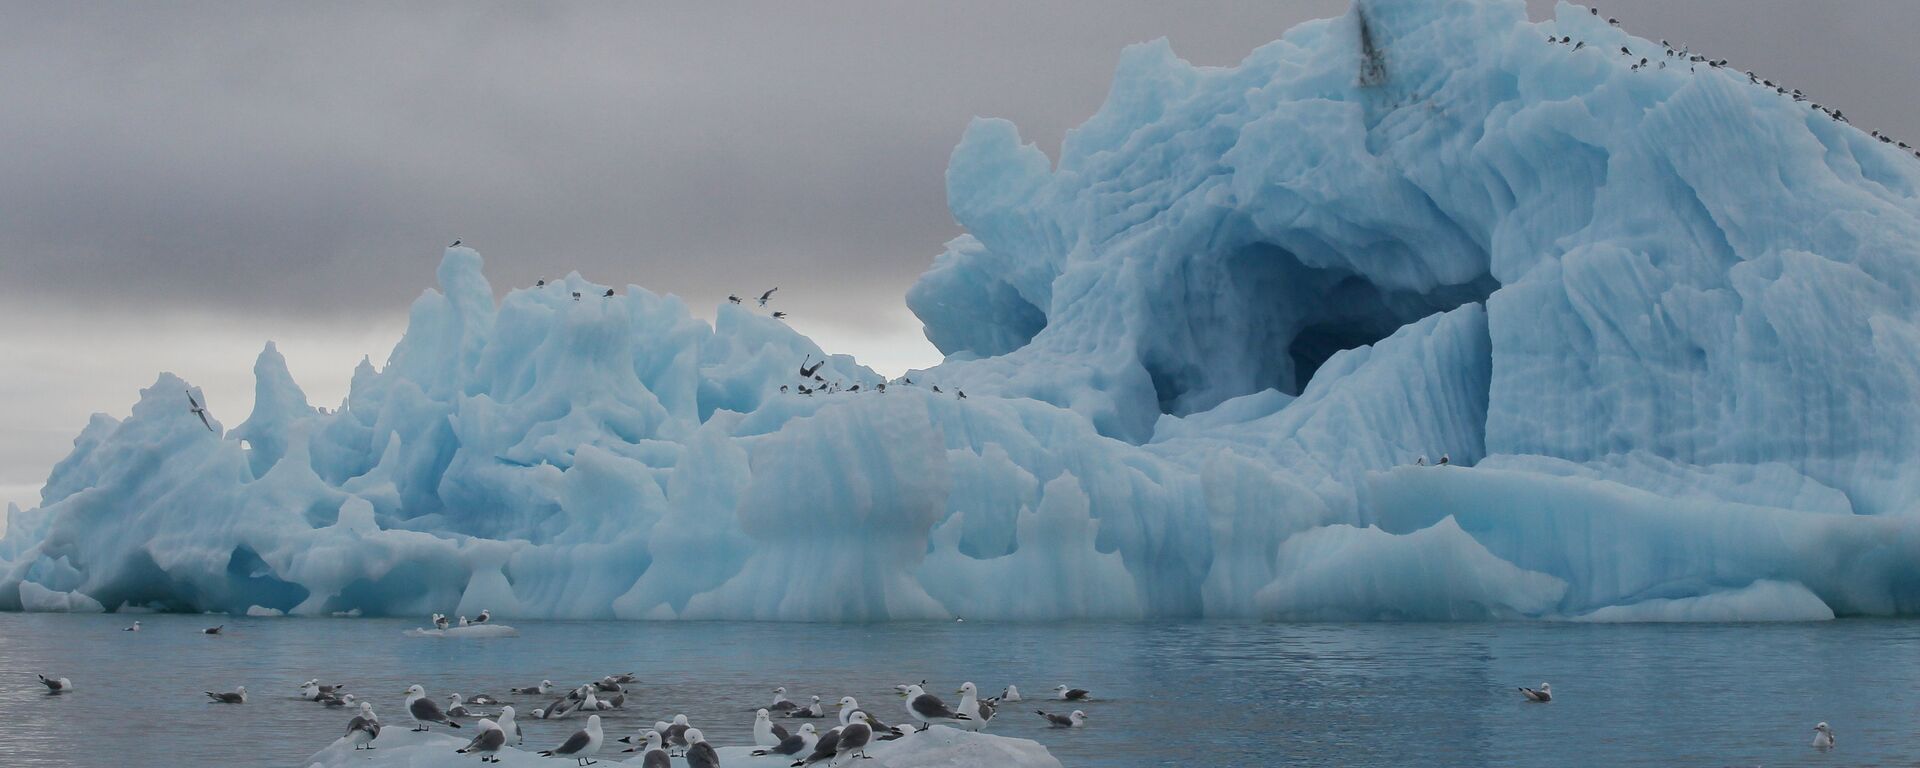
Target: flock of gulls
(496, 730)
(1682, 55)
(812, 383)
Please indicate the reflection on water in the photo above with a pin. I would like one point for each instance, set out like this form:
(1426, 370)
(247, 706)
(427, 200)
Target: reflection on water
(1172, 694)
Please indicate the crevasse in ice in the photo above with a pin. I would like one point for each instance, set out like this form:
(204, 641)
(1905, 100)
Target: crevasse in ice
(1661, 320)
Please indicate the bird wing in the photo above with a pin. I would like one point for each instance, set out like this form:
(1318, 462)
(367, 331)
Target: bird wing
(656, 759)
(790, 744)
(931, 707)
(780, 732)
(575, 743)
(203, 419)
(701, 755)
(424, 710)
(827, 747)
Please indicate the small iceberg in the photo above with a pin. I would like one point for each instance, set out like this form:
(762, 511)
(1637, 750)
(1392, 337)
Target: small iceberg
(939, 746)
(470, 630)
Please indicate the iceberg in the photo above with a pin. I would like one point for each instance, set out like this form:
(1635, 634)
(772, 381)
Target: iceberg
(939, 747)
(1659, 320)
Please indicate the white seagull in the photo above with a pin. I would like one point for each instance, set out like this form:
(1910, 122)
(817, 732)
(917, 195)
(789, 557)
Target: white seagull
(1822, 737)
(582, 745)
(1540, 695)
(424, 711)
(487, 742)
(363, 728)
(929, 709)
(61, 685)
(1074, 720)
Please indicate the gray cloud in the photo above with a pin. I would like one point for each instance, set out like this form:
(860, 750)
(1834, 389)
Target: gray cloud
(304, 163)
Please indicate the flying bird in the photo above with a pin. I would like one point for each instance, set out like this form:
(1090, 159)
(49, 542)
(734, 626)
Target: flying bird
(198, 410)
(456, 244)
(733, 298)
(767, 295)
(779, 315)
(807, 373)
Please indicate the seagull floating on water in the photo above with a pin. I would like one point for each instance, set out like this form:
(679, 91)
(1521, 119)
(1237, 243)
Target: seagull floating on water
(1072, 694)
(134, 628)
(238, 696)
(1074, 720)
(61, 685)
(213, 630)
(1542, 695)
(545, 687)
(1822, 737)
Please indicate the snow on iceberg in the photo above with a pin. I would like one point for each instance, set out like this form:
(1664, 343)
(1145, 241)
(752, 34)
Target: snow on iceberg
(1660, 320)
(938, 747)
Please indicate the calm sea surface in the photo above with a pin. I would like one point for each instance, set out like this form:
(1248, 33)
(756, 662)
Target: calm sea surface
(1171, 694)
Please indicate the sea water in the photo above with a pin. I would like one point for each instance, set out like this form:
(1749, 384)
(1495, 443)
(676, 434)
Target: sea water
(1188, 694)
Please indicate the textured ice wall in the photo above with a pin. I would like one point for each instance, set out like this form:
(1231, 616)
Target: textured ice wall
(1660, 317)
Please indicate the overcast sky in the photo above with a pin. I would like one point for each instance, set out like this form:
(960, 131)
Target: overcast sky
(185, 181)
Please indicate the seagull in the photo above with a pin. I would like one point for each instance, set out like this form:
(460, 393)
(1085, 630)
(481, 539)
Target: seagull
(768, 295)
(811, 710)
(239, 696)
(733, 299)
(653, 756)
(1010, 694)
(972, 706)
(487, 742)
(765, 732)
(806, 372)
(343, 700)
(607, 684)
(608, 294)
(424, 711)
(676, 733)
(927, 708)
(1580, 45)
(1444, 460)
(198, 410)
(61, 685)
(545, 687)
(1541, 695)
(483, 617)
(779, 315)
(795, 743)
(481, 699)
(1822, 737)
(134, 628)
(1075, 720)
(363, 728)
(699, 753)
(507, 724)
(541, 283)
(855, 736)
(456, 244)
(576, 295)
(961, 392)
(623, 678)
(824, 749)
(582, 745)
(439, 621)
(213, 630)
(1072, 694)
(456, 707)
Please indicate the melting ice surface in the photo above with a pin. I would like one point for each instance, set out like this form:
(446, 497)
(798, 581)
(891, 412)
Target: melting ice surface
(1662, 321)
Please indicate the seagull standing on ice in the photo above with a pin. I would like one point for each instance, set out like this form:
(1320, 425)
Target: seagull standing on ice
(1541, 695)
(511, 728)
(582, 745)
(795, 743)
(1822, 737)
(482, 618)
(972, 706)
(487, 742)
(929, 709)
(61, 685)
(765, 732)
(652, 754)
(363, 728)
(699, 753)
(424, 711)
